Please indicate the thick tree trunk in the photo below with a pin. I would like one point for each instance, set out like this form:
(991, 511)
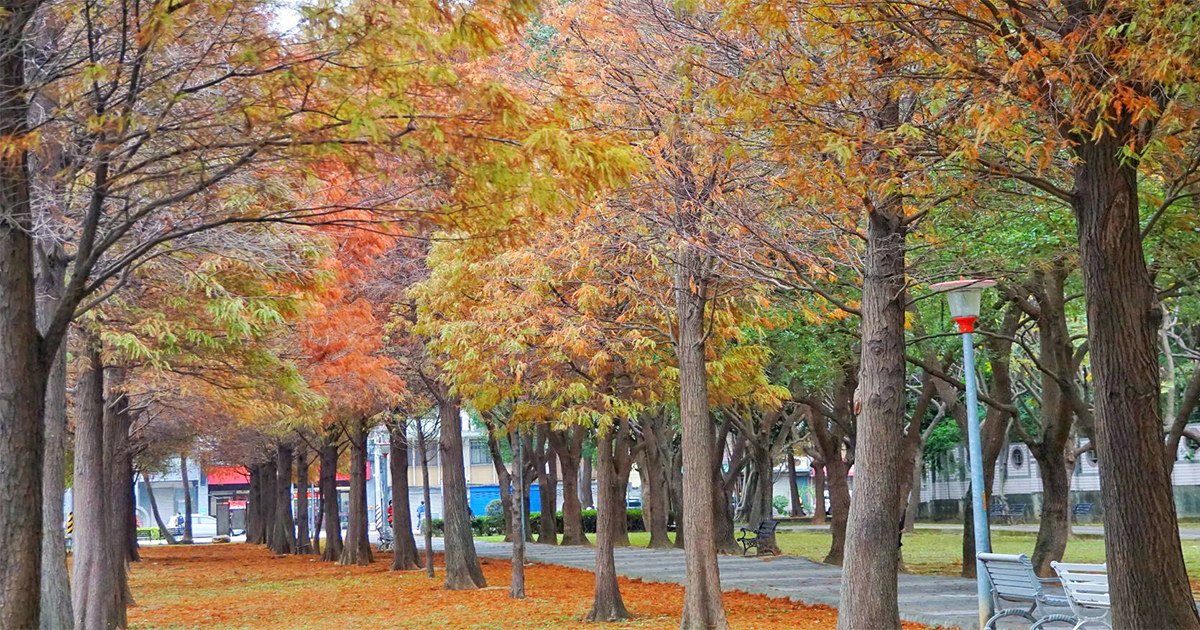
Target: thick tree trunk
(162, 526)
(1148, 581)
(517, 588)
(913, 509)
(839, 508)
(95, 593)
(427, 527)
(253, 522)
(620, 504)
(304, 543)
(569, 446)
(547, 488)
(869, 593)
(462, 567)
(329, 500)
(607, 604)
(818, 486)
(503, 477)
(281, 540)
(724, 536)
(268, 489)
(675, 487)
(357, 548)
(585, 484)
(118, 480)
(23, 372)
(793, 489)
(654, 488)
(404, 558)
(56, 587)
(187, 500)
(320, 515)
(703, 607)
(761, 508)
(1055, 526)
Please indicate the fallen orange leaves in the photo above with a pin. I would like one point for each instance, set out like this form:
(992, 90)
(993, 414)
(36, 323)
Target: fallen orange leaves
(242, 586)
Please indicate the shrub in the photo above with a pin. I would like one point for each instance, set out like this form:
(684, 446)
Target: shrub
(634, 518)
(495, 508)
(781, 504)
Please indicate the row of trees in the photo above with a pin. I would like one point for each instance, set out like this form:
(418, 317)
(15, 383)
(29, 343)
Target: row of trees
(693, 235)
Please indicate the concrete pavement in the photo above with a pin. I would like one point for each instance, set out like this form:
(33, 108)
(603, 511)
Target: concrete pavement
(934, 601)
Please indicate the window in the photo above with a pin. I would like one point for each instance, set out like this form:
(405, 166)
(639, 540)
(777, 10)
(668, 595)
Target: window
(414, 453)
(480, 455)
(1018, 458)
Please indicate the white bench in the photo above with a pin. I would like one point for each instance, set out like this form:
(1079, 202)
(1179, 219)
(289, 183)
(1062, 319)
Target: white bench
(1087, 591)
(1014, 580)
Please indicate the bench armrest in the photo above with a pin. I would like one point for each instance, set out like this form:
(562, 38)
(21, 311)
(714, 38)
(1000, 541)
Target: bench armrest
(1050, 580)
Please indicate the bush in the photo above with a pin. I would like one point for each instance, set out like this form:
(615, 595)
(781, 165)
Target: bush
(781, 504)
(634, 518)
(490, 525)
(495, 508)
(148, 533)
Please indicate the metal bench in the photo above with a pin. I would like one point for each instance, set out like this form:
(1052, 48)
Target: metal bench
(1087, 592)
(1081, 509)
(757, 538)
(1011, 512)
(1013, 580)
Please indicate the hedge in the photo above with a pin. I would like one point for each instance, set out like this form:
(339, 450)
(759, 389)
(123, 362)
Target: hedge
(494, 525)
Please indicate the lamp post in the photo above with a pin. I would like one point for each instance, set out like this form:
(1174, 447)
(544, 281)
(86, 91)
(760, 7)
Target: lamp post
(964, 297)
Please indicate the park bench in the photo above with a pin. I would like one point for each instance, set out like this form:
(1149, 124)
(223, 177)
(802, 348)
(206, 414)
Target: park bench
(757, 538)
(1087, 592)
(1081, 509)
(1011, 512)
(1013, 580)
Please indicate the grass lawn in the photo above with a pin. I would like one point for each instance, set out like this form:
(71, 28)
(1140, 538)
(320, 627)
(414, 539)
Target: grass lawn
(244, 587)
(939, 552)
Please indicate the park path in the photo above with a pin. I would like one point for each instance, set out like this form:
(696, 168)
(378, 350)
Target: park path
(931, 600)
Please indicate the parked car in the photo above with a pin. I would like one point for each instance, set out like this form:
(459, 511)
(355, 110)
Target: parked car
(203, 526)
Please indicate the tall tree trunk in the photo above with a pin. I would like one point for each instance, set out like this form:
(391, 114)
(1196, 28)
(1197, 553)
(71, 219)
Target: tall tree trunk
(462, 567)
(872, 547)
(254, 521)
(1148, 581)
(503, 477)
(585, 484)
(1055, 526)
(517, 526)
(761, 508)
(282, 537)
(818, 486)
(654, 487)
(357, 548)
(607, 604)
(303, 539)
(839, 507)
(427, 527)
(187, 500)
(95, 593)
(675, 487)
(118, 481)
(623, 460)
(913, 509)
(547, 488)
(569, 446)
(162, 526)
(702, 601)
(23, 372)
(329, 499)
(320, 515)
(56, 588)
(722, 517)
(404, 558)
(793, 489)
(269, 489)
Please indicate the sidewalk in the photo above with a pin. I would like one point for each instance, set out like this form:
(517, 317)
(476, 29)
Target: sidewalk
(934, 601)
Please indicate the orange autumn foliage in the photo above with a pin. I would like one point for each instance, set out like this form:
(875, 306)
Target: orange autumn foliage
(241, 586)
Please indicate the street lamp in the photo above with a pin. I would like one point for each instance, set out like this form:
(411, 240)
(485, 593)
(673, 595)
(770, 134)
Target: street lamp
(964, 296)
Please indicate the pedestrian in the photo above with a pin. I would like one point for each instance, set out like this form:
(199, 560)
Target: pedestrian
(421, 517)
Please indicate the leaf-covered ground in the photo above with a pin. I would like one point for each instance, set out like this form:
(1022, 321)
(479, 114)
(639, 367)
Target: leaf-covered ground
(227, 587)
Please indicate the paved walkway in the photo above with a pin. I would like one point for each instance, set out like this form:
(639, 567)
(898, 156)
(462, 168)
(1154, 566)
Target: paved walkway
(935, 601)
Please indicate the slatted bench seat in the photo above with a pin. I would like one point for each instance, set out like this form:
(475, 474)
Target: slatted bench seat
(761, 537)
(1087, 592)
(1014, 581)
